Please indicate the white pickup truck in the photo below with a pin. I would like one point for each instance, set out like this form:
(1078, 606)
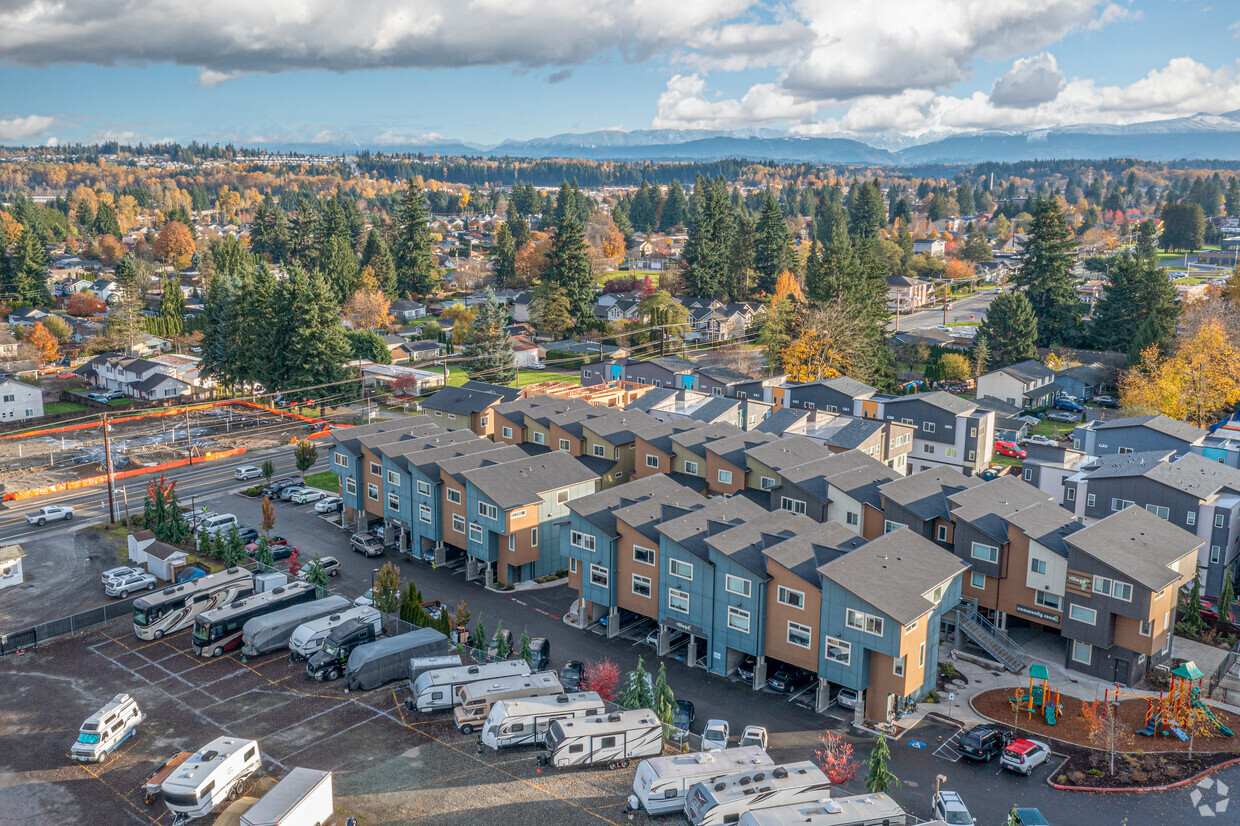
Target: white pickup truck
(49, 513)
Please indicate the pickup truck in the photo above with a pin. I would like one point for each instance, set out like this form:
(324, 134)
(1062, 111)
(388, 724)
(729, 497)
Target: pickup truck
(49, 513)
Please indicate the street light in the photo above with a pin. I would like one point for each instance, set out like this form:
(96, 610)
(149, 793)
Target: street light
(938, 781)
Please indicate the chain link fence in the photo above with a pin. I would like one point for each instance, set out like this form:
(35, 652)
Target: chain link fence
(31, 637)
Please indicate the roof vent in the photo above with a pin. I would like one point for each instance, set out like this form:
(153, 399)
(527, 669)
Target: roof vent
(208, 756)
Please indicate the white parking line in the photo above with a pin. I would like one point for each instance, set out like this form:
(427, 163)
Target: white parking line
(947, 751)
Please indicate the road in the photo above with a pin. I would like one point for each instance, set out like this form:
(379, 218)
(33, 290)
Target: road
(964, 310)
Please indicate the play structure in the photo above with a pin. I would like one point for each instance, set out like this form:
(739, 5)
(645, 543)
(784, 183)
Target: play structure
(1038, 697)
(1180, 711)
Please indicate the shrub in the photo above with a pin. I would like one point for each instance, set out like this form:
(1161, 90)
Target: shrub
(1095, 772)
(1140, 776)
(948, 671)
(254, 491)
(932, 697)
(1076, 777)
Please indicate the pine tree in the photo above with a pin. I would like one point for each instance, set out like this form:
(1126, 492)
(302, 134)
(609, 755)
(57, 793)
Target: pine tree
(416, 273)
(664, 700)
(1138, 309)
(172, 303)
(637, 691)
(675, 208)
(740, 262)
(501, 642)
(105, 220)
(27, 270)
(262, 554)
(338, 266)
(979, 358)
(378, 257)
(879, 778)
(505, 251)
(487, 351)
(1010, 329)
(772, 244)
(308, 345)
(1226, 597)
(527, 653)
(301, 233)
(479, 638)
(1046, 276)
(866, 212)
(710, 242)
(569, 265)
(233, 549)
(316, 574)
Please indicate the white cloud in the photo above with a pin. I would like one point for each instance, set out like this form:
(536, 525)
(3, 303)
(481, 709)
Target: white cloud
(1029, 82)
(19, 129)
(390, 138)
(1113, 13)
(684, 105)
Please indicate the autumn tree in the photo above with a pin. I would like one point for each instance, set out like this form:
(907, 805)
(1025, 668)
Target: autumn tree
(835, 758)
(305, 454)
(175, 244)
(1104, 729)
(58, 327)
(787, 285)
(955, 367)
(269, 516)
(462, 319)
(601, 677)
(601, 234)
(368, 308)
(85, 304)
(1200, 382)
(387, 588)
(44, 343)
(530, 262)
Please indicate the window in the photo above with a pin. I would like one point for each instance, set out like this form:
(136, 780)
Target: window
(643, 555)
(1079, 613)
(1047, 600)
(564, 444)
(517, 514)
(375, 469)
(972, 454)
(838, 651)
(1122, 590)
(1159, 511)
(1089, 500)
(1102, 585)
(561, 496)
(952, 453)
(977, 580)
(767, 483)
(641, 585)
(792, 505)
(652, 460)
(927, 449)
(906, 421)
(393, 502)
(1071, 494)
(393, 478)
(897, 666)
(487, 510)
(927, 427)
(1028, 474)
(341, 459)
(350, 486)
(798, 634)
(1215, 554)
(1121, 504)
(585, 374)
(475, 533)
(506, 432)
(458, 523)
(608, 743)
(1219, 520)
(598, 576)
(678, 601)
(738, 620)
(1191, 518)
(512, 542)
(691, 468)
(737, 585)
(986, 553)
(864, 622)
(572, 566)
(972, 432)
(1082, 652)
(372, 491)
(937, 596)
(912, 626)
(1146, 628)
(725, 477)
(452, 417)
(680, 568)
(585, 541)
(921, 656)
(852, 518)
(424, 513)
(454, 496)
(540, 438)
(795, 599)
(1037, 566)
(889, 526)
(942, 533)
(599, 450)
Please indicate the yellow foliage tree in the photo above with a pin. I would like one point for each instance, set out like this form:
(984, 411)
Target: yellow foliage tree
(368, 308)
(175, 244)
(43, 342)
(1200, 382)
(464, 318)
(787, 285)
(830, 343)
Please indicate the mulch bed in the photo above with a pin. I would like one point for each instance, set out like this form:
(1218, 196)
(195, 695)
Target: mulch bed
(1091, 769)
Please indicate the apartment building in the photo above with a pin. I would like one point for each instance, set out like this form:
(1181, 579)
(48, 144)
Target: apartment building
(1025, 384)
(1138, 434)
(921, 502)
(843, 488)
(360, 469)
(468, 407)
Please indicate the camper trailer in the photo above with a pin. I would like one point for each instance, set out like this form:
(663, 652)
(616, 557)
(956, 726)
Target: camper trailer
(210, 777)
(420, 665)
(435, 690)
(662, 784)
(725, 799)
(525, 722)
(874, 809)
(303, 797)
(271, 632)
(474, 700)
(106, 729)
(375, 663)
(612, 740)
(308, 637)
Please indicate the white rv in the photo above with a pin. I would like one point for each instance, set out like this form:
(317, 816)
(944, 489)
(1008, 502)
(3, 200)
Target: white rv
(612, 740)
(522, 722)
(304, 797)
(662, 784)
(875, 809)
(308, 637)
(725, 799)
(435, 690)
(210, 777)
(106, 729)
(474, 700)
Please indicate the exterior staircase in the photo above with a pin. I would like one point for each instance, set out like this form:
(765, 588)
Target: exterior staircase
(990, 639)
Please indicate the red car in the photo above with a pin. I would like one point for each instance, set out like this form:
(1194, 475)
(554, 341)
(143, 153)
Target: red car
(1010, 450)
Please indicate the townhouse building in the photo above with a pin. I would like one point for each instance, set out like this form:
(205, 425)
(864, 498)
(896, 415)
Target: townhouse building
(19, 401)
(921, 502)
(1025, 384)
(666, 404)
(677, 373)
(454, 536)
(843, 488)
(1138, 434)
(468, 407)
(767, 460)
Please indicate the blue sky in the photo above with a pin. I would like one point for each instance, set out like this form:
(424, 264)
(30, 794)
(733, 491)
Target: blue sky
(391, 72)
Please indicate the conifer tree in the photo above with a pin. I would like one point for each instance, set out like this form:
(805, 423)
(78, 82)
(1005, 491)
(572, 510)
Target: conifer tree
(309, 347)
(664, 700)
(527, 653)
(569, 265)
(416, 273)
(1010, 329)
(316, 573)
(172, 303)
(487, 350)
(867, 213)
(1138, 309)
(772, 251)
(637, 691)
(105, 220)
(880, 778)
(505, 257)
(1046, 276)
(710, 242)
(378, 257)
(675, 208)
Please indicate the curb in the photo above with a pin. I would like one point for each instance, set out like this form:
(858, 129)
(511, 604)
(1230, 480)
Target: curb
(1142, 789)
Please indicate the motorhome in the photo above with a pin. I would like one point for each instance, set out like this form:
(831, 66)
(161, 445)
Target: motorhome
(308, 637)
(106, 729)
(375, 663)
(210, 776)
(525, 722)
(874, 809)
(662, 784)
(304, 796)
(175, 607)
(725, 799)
(612, 740)
(420, 665)
(219, 629)
(436, 690)
(271, 632)
(474, 700)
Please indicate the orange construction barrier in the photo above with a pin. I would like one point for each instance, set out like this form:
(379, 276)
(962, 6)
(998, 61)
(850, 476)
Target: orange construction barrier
(90, 481)
(178, 411)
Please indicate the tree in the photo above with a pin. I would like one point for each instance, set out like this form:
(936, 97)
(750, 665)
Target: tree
(501, 642)
(980, 355)
(833, 342)
(368, 308)
(527, 653)
(1184, 227)
(550, 310)
(835, 758)
(479, 638)
(268, 469)
(262, 553)
(58, 327)
(44, 343)
(487, 351)
(568, 265)
(778, 325)
(413, 250)
(337, 264)
(305, 454)
(460, 617)
(879, 778)
(709, 251)
(172, 300)
(977, 249)
(1190, 617)
(294, 565)
(1200, 383)
(601, 677)
(306, 346)
(378, 258)
(505, 253)
(637, 689)
(269, 516)
(1104, 729)
(1010, 328)
(105, 220)
(1046, 276)
(387, 589)
(1139, 308)
(85, 304)
(786, 286)
(664, 705)
(175, 244)
(675, 208)
(25, 275)
(234, 548)
(772, 248)
(955, 367)
(866, 212)
(1226, 597)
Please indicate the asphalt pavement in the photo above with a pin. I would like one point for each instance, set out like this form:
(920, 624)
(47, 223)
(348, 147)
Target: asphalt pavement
(971, 309)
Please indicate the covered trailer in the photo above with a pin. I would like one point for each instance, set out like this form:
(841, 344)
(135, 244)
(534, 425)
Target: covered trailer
(382, 661)
(303, 798)
(271, 632)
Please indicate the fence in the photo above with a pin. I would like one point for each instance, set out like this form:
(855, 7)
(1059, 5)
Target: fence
(43, 632)
(1223, 668)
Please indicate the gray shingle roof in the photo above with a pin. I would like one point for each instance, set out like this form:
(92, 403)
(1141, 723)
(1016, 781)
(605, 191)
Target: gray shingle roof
(805, 552)
(1162, 424)
(854, 434)
(1028, 370)
(600, 508)
(734, 448)
(782, 420)
(461, 401)
(645, 516)
(651, 398)
(857, 474)
(508, 394)
(675, 364)
(523, 482)
(745, 543)
(351, 438)
(1047, 524)
(725, 375)
(941, 399)
(693, 529)
(925, 493)
(787, 452)
(496, 456)
(985, 505)
(715, 409)
(1139, 544)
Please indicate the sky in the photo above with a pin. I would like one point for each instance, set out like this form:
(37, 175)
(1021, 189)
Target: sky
(386, 73)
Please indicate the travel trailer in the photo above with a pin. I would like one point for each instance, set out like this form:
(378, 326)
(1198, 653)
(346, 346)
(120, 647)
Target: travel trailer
(303, 797)
(175, 607)
(106, 729)
(725, 799)
(525, 722)
(210, 777)
(271, 632)
(375, 663)
(613, 740)
(435, 690)
(420, 665)
(308, 637)
(875, 809)
(474, 700)
(662, 784)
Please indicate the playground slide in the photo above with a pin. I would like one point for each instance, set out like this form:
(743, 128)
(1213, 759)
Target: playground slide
(1226, 732)
(1151, 728)
(1050, 714)
(1178, 732)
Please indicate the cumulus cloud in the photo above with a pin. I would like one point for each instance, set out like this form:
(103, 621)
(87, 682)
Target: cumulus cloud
(684, 105)
(560, 76)
(1029, 82)
(390, 138)
(19, 128)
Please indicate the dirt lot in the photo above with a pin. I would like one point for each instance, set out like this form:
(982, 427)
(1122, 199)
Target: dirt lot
(58, 563)
(390, 766)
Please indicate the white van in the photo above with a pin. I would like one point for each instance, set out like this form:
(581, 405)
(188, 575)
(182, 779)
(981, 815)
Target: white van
(219, 523)
(106, 729)
(210, 777)
(308, 637)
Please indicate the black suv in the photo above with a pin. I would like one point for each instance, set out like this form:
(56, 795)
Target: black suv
(983, 742)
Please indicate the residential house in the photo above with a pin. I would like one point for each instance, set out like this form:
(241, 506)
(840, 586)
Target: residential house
(11, 572)
(526, 353)
(27, 317)
(521, 306)
(838, 395)
(1012, 423)
(1085, 380)
(933, 247)
(908, 293)
(19, 401)
(420, 351)
(1024, 384)
(921, 502)
(414, 381)
(1138, 434)
(948, 430)
(587, 349)
(106, 290)
(353, 459)
(407, 310)
(844, 488)
(8, 346)
(665, 371)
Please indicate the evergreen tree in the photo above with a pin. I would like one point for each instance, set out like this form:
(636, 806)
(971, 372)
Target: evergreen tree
(105, 220)
(1226, 597)
(1184, 226)
(904, 240)
(569, 265)
(964, 197)
(416, 273)
(740, 262)
(710, 242)
(301, 233)
(880, 778)
(637, 691)
(675, 208)
(27, 270)
(172, 303)
(221, 344)
(977, 249)
(268, 230)
(505, 269)
(1190, 619)
(501, 642)
(479, 638)
(866, 212)
(378, 257)
(233, 549)
(979, 356)
(316, 574)
(1138, 309)
(772, 244)
(367, 344)
(338, 266)
(262, 553)
(309, 347)
(664, 700)
(1010, 329)
(1046, 277)
(255, 322)
(550, 310)
(125, 316)
(229, 256)
(520, 230)
(527, 653)
(487, 351)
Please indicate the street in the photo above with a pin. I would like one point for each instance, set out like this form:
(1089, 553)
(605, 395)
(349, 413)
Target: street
(971, 309)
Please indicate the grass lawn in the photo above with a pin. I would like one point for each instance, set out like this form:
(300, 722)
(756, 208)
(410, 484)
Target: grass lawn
(527, 377)
(1052, 429)
(1005, 461)
(1192, 280)
(963, 324)
(457, 376)
(325, 480)
(56, 408)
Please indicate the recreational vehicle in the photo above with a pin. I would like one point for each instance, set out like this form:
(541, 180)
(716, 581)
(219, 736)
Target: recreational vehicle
(175, 607)
(106, 729)
(375, 663)
(308, 637)
(523, 722)
(420, 665)
(330, 661)
(725, 799)
(303, 797)
(219, 629)
(474, 700)
(874, 809)
(662, 784)
(210, 777)
(271, 632)
(612, 740)
(436, 690)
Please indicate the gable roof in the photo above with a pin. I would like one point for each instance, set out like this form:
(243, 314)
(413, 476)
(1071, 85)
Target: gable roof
(782, 420)
(940, 399)
(693, 529)
(984, 506)
(461, 400)
(857, 474)
(523, 481)
(506, 393)
(714, 409)
(652, 398)
(1139, 544)
(1047, 524)
(600, 509)
(803, 553)
(1162, 424)
(725, 375)
(787, 452)
(1027, 370)
(925, 493)
(745, 543)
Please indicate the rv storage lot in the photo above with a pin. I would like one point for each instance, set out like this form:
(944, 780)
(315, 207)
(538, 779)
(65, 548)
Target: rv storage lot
(390, 766)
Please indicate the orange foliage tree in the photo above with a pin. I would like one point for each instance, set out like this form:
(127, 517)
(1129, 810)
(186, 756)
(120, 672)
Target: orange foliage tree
(1200, 382)
(175, 244)
(85, 304)
(43, 342)
(787, 284)
(368, 308)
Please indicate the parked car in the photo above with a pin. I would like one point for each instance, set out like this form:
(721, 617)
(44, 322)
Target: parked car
(1063, 416)
(278, 552)
(1067, 403)
(248, 472)
(949, 808)
(1023, 756)
(623, 615)
(983, 742)
(1106, 401)
(122, 571)
(275, 488)
(1028, 817)
(683, 717)
(673, 638)
(847, 698)
(715, 735)
(538, 365)
(248, 533)
(287, 494)
(366, 544)
(191, 573)
(330, 564)
(571, 674)
(754, 736)
(49, 513)
(200, 517)
(745, 669)
(790, 679)
(1010, 450)
(493, 645)
(124, 586)
(328, 504)
(307, 495)
(1038, 439)
(102, 398)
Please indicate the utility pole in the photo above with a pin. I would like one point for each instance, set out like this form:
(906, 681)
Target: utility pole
(107, 463)
(189, 442)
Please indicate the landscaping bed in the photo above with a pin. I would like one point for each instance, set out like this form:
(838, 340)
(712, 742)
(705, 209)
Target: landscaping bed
(1090, 769)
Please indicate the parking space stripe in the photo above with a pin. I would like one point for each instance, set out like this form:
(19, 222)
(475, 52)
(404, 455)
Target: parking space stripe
(126, 800)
